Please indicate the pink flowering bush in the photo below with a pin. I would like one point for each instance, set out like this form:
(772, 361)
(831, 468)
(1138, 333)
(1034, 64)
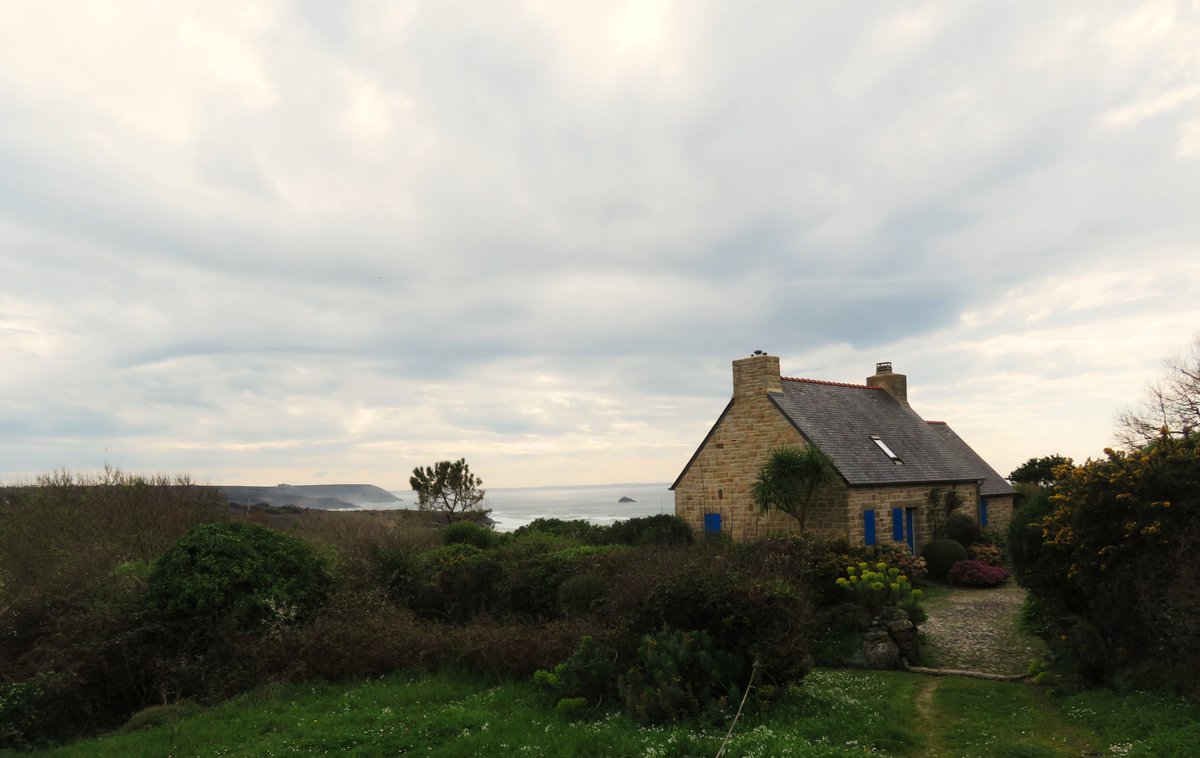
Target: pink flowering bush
(976, 574)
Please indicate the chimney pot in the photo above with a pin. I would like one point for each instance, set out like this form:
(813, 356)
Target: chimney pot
(895, 385)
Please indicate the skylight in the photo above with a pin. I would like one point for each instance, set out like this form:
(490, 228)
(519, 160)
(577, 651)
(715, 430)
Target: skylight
(886, 450)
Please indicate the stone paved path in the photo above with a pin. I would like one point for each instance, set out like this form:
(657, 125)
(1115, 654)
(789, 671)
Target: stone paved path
(977, 629)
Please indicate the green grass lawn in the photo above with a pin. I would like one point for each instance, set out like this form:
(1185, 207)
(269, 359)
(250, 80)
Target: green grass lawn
(833, 713)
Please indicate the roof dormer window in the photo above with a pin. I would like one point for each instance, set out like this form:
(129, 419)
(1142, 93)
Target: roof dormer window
(886, 450)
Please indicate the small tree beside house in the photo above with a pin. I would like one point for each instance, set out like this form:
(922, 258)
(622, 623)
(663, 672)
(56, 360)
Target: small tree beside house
(790, 479)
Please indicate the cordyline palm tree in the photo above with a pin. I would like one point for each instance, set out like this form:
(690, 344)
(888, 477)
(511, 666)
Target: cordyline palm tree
(790, 479)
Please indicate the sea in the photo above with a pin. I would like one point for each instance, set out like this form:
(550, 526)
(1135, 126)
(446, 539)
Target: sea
(514, 507)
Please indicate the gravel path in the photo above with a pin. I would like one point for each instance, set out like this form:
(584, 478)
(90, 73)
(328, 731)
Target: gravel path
(977, 629)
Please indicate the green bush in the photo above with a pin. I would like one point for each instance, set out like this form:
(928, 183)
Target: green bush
(398, 570)
(458, 582)
(663, 530)
(468, 533)
(27, 714)
(580, 594)
(683, 676)
(577, 530)
(940, 555)
(237, 574)
(961, 528)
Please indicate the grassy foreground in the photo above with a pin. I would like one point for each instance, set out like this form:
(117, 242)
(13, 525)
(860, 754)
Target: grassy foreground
(833, 713)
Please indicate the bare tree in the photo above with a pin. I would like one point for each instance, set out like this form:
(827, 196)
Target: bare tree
(1171, 403)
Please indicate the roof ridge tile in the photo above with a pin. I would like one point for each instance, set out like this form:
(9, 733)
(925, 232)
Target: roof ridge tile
(829, 383)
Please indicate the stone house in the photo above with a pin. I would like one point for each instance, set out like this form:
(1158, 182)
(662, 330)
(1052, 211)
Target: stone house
(888, 459)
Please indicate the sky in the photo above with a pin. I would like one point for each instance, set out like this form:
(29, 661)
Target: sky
(311, 242)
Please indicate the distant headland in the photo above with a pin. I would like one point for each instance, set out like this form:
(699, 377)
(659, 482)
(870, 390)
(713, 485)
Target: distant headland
(327, 497)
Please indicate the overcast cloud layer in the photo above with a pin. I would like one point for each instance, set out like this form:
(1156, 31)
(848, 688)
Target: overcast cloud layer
(316, 242)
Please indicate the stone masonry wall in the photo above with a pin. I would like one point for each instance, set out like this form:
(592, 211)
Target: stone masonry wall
(883, 499)
(1000, 512)
(720, 477)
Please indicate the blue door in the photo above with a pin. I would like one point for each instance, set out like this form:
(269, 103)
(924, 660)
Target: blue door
(712, 523)
(909, 519)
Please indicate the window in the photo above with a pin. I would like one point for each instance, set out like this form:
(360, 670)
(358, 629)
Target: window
(712, 523)
(983, 512)
(886, 450)
(869, 527)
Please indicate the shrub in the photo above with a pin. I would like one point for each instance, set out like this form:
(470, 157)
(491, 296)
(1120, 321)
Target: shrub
(961, 528)
(940, 555)
(468, 533)
(239, 574)
(580, 594)
(458, 582)
(875, 587)
(683, 676)
(764, 619)
(910, 565)
(398, 571)
(976, 574)
(587, 678)
(577, 530)
(989, 554)
(531, 582)
(663, 530)
(1114, 545)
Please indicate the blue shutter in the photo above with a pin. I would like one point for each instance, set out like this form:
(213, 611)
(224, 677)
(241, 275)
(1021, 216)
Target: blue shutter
(898, 524)
(712, 523)
(869, 527)
(982, 512)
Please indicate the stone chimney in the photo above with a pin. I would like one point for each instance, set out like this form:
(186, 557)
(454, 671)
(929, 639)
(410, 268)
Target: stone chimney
(895, 385)
(756, 375)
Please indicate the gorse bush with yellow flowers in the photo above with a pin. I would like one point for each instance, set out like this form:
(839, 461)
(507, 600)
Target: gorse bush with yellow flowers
(1110, 556)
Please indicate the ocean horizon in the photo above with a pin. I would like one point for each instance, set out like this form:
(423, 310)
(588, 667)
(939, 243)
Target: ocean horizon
(514, 507)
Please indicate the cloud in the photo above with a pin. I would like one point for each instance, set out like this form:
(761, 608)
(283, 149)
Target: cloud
(286, 240)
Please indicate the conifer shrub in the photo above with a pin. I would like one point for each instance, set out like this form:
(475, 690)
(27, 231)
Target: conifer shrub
(971, 573)
(237, 574)
(587, 679)
(683, 676)
(940, 555)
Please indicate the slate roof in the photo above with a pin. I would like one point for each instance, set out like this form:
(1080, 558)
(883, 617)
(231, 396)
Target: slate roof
(840, 419)
(993, 483)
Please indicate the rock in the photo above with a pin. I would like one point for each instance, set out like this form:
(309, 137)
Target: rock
(879, 650)
(626, 500)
